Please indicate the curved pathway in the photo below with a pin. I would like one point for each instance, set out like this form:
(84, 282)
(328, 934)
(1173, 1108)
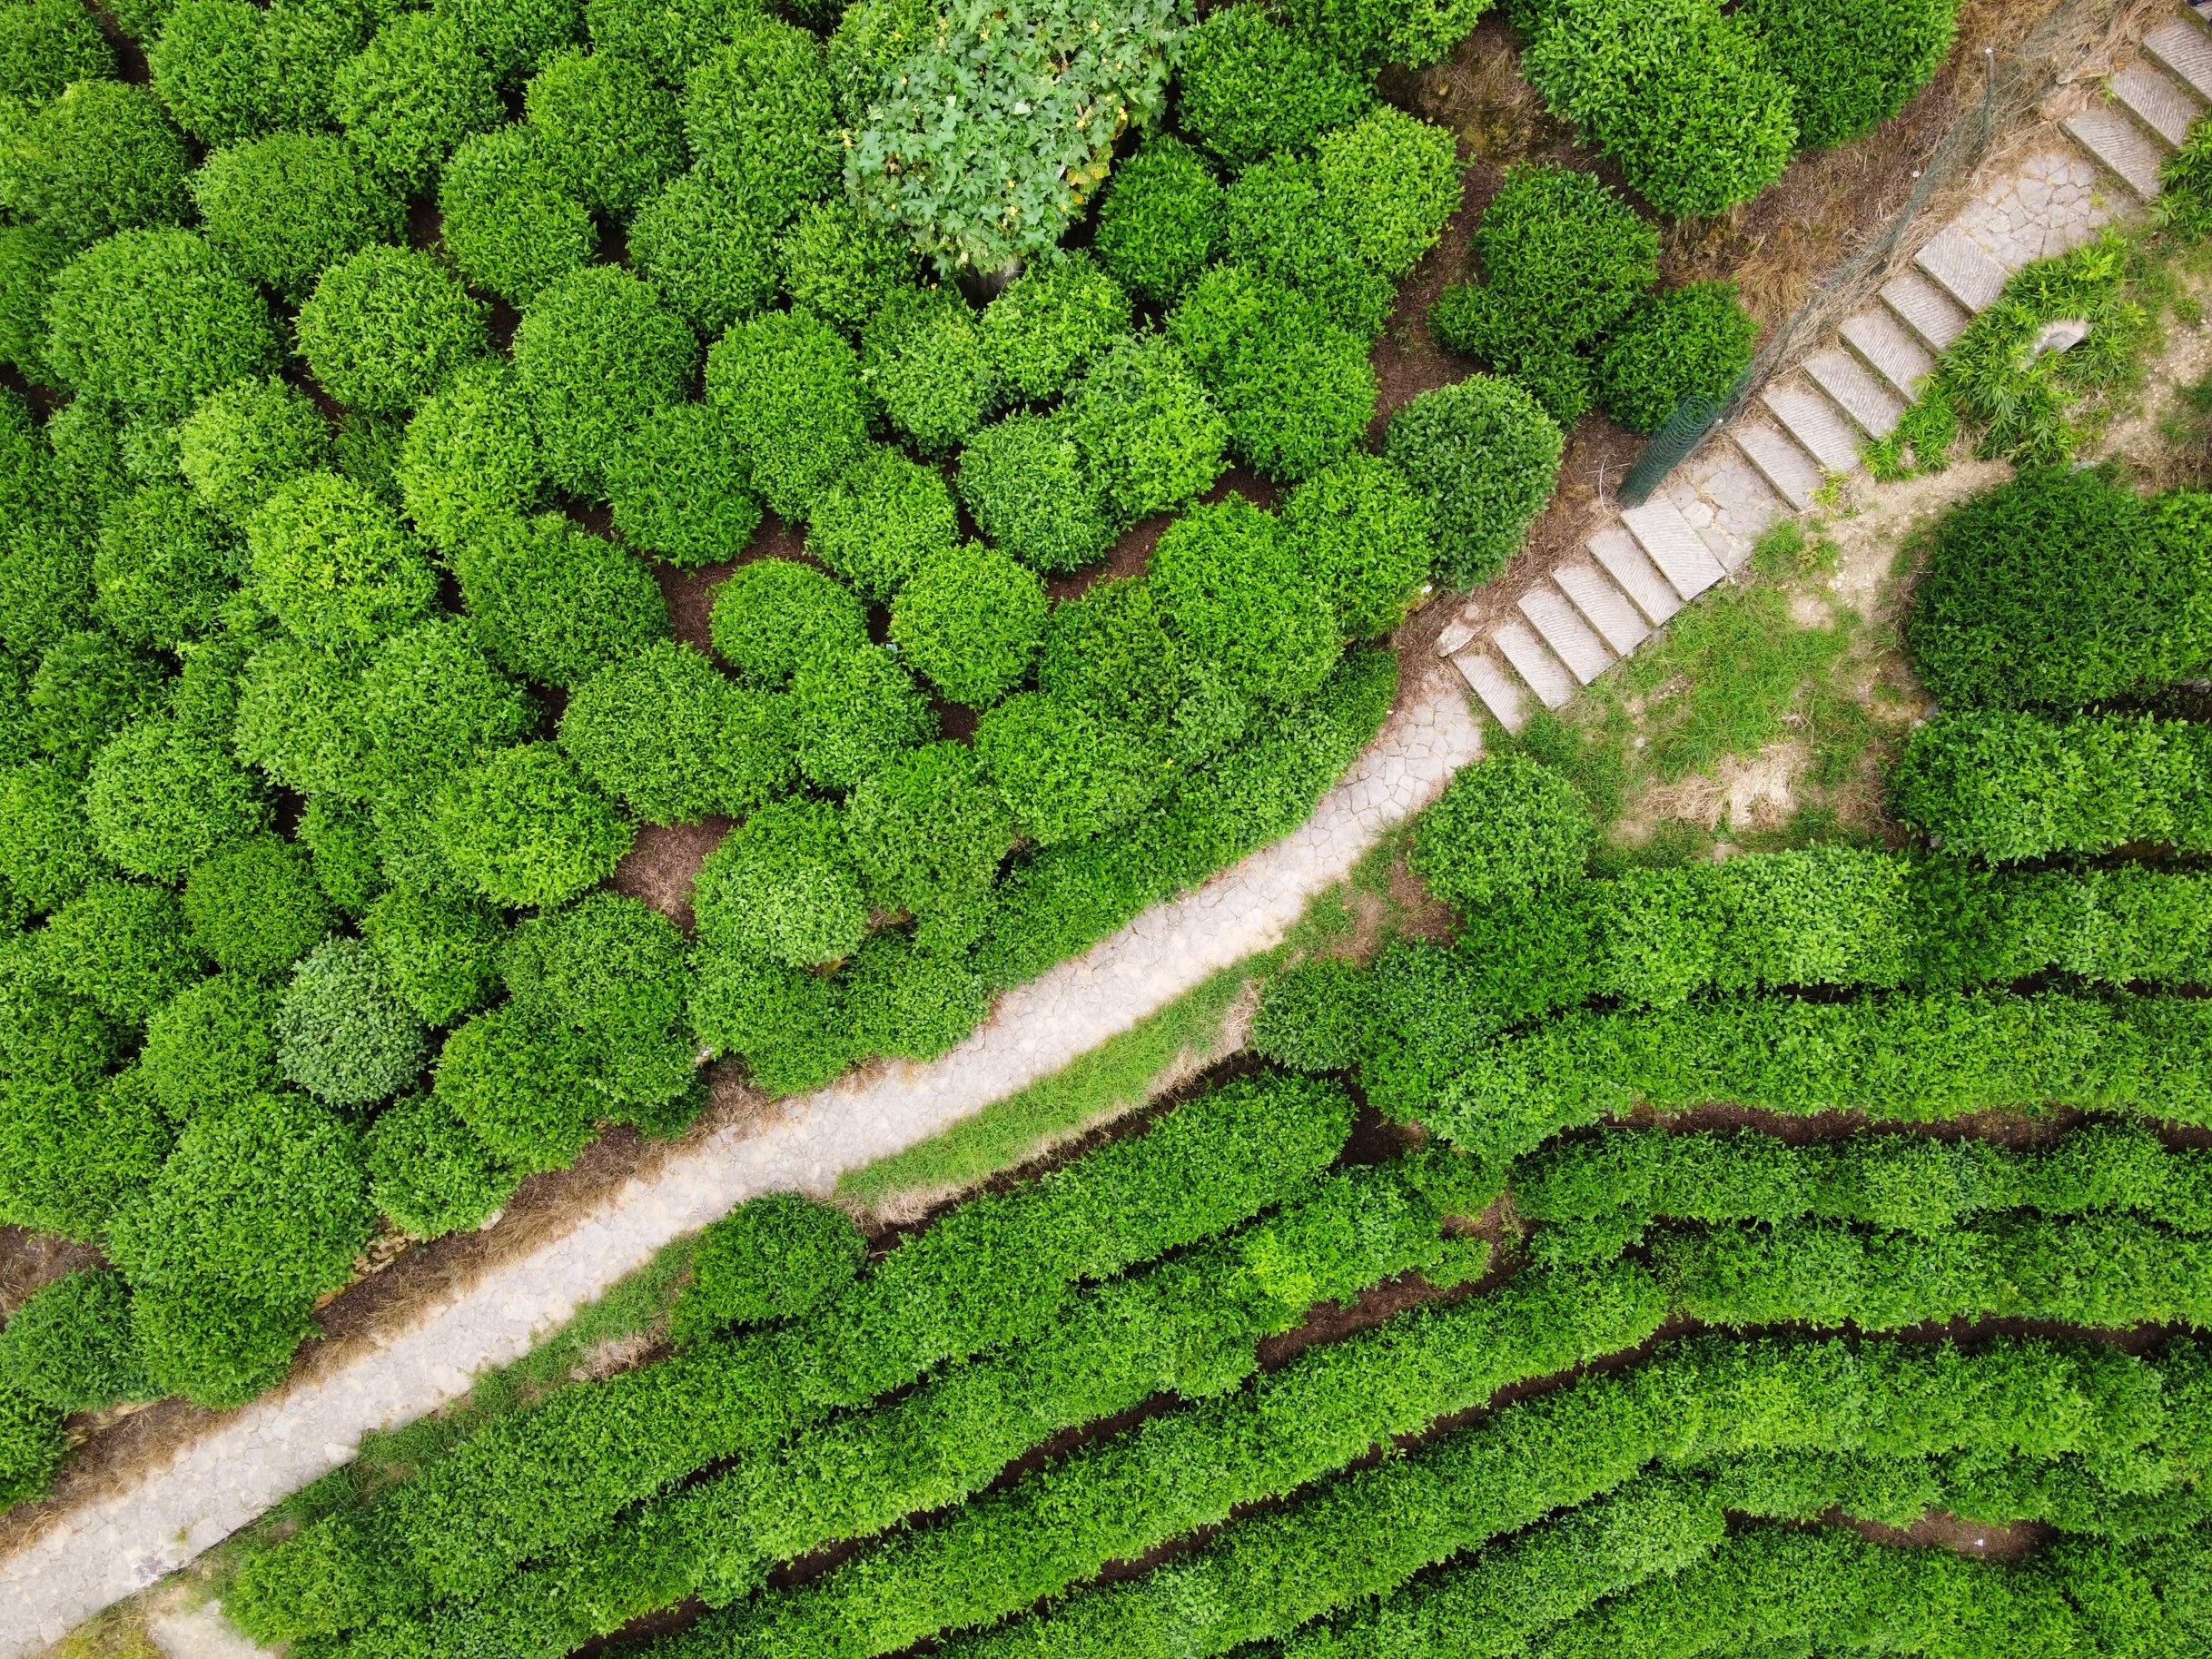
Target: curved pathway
(109, 1548)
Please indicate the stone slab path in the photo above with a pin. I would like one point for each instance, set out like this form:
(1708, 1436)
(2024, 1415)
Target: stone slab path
(108, 1549)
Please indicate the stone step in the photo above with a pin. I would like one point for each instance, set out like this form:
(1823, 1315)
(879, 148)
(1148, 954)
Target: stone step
(1622, 556)
(1499, 691)
(1795, 475)
(2157, 100)
(1675, 546)
(1931, 314)
(1609, 610)
(1531, 660)
(1817, 424)
(2120, 144)
(1889, 349)
(1873, 407)
(1728, 503)
(2185, 49)
(1456, 636)
(1573, 640)
(1964, 269)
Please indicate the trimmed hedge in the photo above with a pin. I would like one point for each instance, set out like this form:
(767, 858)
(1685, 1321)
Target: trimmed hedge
(288, 206)
(555, 604)
(773, 617)
(383, 327)
(1487, 458)
(674, 740)
(69, 1346)
(1250, 87)
(970, 620)
(1852, 65)
(783, 884)
(596, 354)
(341, 1034)
(522, 826)
(1696, 338)
(1507, 832)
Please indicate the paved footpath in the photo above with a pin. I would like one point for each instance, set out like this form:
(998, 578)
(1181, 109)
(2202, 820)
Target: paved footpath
(108, 1549)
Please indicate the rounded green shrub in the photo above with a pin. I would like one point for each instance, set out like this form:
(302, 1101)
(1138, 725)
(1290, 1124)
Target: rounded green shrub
(1249, 87)
(165, 566)
(241, 444)
(677, 488)
(1694, 339)
(155, 320)
(124, 946)
(255, 907)
(928, 830)
(45, 45)
(412, 94)
(709, 249)
(1230, 584)
(529, 1106)
(87, 686)
(1390, 180)
(1486, 456)
(101, 158)
(879, 522)
(48, 1031)
(677, 741)
(522, 826)
(1317, 1017)
(515, 36)
(1050, 324)
(286, 207)
(596, 354)
(32, 1445)
(1108, 650)
(439, 955)
(431, 1173)
(1147, 428)
(783, 884)
(922, 358)
(1852, 65)
(46, 849)
(1372, 33)
(70, 1346)
(970, 621)
(605, 983)
(506, 218)
(759, 117)
(555, 604)
(1280, 226)
(1160, 221)
(306, 43)
(470, 456)
(299, 718)
(217, 1349)
(1565, 258)
(790, 386)
(774, 616)
(850, 714)
(29, 256)
(1368, 538)
(46, 586)
(608, 129)
(210, 69)
(907, 1001)
(842, 265)
(76, 1153)
(1064, 773)
(1025, 483)
(384, 327)
(431, 701)
(85, 465)
(334, 565)
(774, 1257)
(1503, 833)
(676, 37)
(1297, 391)
(788, 1023)
(212, 1043)
(341, 1034)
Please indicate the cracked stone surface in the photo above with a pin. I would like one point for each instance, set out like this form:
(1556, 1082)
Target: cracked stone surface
(2049, 206)
(108, 1549)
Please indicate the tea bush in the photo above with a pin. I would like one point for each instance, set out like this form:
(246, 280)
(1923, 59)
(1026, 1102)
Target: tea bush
(1851, 66)
(507, 219)
(1694, 339)
(470, 455)
(70, 1346)
(240, 445)
(783, 884)
(1485, 457)
(255, 907)
(773, 617)
(970, 621)
(678, 487)
(1049, 325)
(212, 1042)
(773, 1258)
(155, 320)
(1160, 221)
(554, 604)
(842, 265)
(922, 358)
(383, 327)
(876, 523)
(791, 389)
(341, 1034)
(1250, 87)
(429, 1172)
(758, 116)
(609, 133)
(707, 249)
(1026, 484)
(101, 158)
(523, 827)
(410, 97)
(596, 354)
(676, 741)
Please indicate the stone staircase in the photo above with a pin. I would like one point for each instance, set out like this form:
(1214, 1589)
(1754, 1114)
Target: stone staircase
(1814, 421)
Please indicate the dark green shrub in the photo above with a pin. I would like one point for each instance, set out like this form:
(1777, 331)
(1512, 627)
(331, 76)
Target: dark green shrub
(1064, 773)
(156, 321)
(1145, 425)
(217, 1349)
(850, 714)
(530, 1107)
(290, 205)
(506, 218)
(970, 620)
(1110, 650)
(783, 884)
(760, 120)
(46, 588)
(410, 97)
(877, 523)
(1389, 180)
(1365, 536)
(1372, 33)
(29, 257)
(913, 1002)
(211, 1043)
(1161, 222)
(1565, 258)
(676, 37)
(773, 1258)
(603, 982)
(85, 467)
(555, 604)
(210, 68)
(1231, 585)
(786, 1022)
(597, 353)
(70, 1346)
(1485, 457)
(1048, 326)
(928, 830)
(437, 954)
(101, 158)
(240, 444)
(32, 1445)
(306, 43)
(677, 488)
(709, 249)
(792, 390)
(1297, 391)
(470, 456)
(341, 1034)
(1694, 339)
(45, 45)
(123, 945)
(75, 1153)
(340, 838)
(334, 565)
(774, 616)
(521, 827)
(1854, 65)
(1024, 482)
(674, 739)
(922, 358)
(254, 907)
(1682, 98)
(264, 1198)
(1279, 225)
(515, 36)
(46, 848)
(384, 327)
(1318, 1017)
(1249, 87)
(299, 718)
(165, 566)
(1503, 833)
(842, 265)
(429, 1171)
(87, 686)
(608, 130)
